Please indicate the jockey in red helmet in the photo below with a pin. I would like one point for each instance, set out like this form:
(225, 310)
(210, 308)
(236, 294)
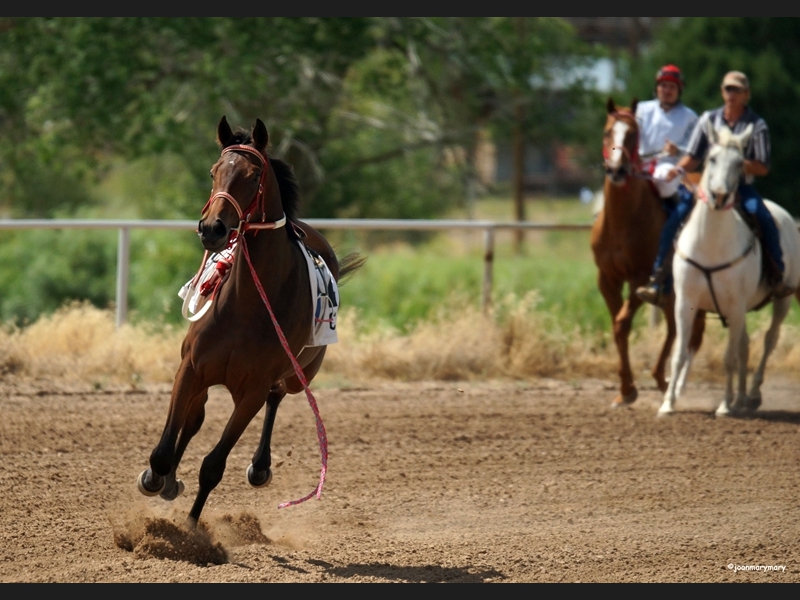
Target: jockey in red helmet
(665, 126)
(670, 73)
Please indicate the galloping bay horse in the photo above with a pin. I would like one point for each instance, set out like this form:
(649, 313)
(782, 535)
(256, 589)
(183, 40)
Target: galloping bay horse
(624, 240)
(254, 338)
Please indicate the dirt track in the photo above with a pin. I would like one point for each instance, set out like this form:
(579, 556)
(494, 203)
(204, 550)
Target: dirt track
(437, 482)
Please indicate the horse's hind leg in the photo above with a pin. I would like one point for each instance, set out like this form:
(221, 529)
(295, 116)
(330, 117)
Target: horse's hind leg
(666, 348)
(213, 467)
(259, 473)
(780, 309)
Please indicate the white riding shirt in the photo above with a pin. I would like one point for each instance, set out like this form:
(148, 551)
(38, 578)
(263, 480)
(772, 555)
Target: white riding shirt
(656, 126)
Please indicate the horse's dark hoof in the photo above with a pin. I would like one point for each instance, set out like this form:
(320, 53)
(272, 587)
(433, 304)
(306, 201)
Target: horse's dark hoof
(170, 492)
(625, 399)
(753, 403)
(148, 490)
(258, 479)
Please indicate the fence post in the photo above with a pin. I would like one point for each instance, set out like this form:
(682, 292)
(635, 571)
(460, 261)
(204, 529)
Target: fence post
(123, 262)
(488, 261)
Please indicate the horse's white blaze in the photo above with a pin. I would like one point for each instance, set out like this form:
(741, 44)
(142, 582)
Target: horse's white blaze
(619, 131)
(711, 238)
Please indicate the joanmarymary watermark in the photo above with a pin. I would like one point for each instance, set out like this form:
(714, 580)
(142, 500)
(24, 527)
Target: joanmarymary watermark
(758, 568)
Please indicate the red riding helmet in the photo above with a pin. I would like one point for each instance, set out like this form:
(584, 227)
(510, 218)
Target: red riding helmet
(670, 73)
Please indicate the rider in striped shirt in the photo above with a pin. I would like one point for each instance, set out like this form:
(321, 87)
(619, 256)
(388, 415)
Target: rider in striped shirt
(736, 115)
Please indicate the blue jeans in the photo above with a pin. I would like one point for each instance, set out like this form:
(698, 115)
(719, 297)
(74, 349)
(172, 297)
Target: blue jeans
(770, 238)
(677, 215)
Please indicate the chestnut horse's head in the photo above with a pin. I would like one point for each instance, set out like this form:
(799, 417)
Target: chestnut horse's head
(724, 166)
(620, 142)
(245, 193)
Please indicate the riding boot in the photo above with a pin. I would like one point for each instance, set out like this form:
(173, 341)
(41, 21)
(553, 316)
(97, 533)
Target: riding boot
(774, 279)
(653, 292)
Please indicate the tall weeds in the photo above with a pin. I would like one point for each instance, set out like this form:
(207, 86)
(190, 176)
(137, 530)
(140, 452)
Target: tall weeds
(513, 340)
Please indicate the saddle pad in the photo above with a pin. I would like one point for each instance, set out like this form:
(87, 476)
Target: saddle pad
(324, 292)
(325, 298)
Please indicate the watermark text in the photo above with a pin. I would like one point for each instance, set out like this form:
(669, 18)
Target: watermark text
(757, 568)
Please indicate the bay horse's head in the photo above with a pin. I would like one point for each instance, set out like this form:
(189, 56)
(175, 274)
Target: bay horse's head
(724, 167)
(245, 193)
(620, 142)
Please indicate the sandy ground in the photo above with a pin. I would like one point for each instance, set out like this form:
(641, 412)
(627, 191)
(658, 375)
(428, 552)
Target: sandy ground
(537, 481)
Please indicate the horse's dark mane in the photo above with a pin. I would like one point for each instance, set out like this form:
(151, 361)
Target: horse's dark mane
(287, 183)
(284, 173)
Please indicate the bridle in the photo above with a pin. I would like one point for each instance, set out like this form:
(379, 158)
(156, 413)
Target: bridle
(257, 204)
(730, 198)
(632, 156)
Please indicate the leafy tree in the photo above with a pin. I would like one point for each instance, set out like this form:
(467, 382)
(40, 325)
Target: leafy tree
(79, 92)
(115, 116)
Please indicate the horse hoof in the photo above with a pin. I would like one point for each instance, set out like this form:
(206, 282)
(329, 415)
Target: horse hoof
(169, 493)
(723, 411)
(665, 412)
(140, 483)
(625, 399)
(753, 403)
(258, 480)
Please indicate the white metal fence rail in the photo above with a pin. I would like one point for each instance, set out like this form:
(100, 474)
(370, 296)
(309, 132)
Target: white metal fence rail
(124, 228)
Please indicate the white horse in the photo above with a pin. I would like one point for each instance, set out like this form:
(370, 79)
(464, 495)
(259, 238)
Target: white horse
(717, 268)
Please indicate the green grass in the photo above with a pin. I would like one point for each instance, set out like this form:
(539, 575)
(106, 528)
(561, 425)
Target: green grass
(404, 283)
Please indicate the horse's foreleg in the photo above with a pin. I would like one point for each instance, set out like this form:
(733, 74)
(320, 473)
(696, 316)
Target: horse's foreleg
(194, 420)
(213, 466)
(622, 331)
(695, 341)
(736, 355)
(683, 315)
(162, 459)
(259, 473)
(621, 318)
(780, 309)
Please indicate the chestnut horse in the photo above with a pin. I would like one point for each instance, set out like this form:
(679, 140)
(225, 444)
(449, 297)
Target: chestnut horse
(624, 241)
(253, 339)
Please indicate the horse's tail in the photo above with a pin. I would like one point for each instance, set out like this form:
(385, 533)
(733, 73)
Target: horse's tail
(349, 264)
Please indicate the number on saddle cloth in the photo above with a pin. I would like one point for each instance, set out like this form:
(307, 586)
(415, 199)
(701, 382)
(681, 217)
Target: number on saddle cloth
(325, 296)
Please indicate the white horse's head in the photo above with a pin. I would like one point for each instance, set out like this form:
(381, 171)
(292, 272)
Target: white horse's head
(724, 167)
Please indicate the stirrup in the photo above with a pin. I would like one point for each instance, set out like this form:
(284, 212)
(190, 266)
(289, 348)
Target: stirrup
(651, 293)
